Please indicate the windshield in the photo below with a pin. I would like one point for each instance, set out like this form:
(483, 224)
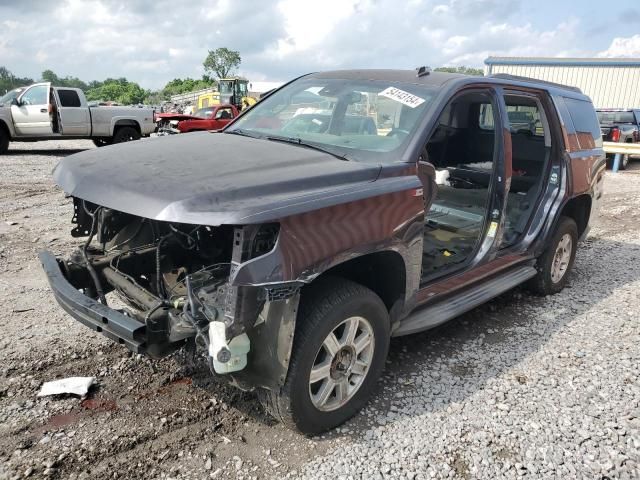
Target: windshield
(616, 117)
(225, 86)
(8, 97)
(365, 120)
(203, 112)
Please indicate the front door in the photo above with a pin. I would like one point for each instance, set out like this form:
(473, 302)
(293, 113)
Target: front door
(466, 150)
(32, 115)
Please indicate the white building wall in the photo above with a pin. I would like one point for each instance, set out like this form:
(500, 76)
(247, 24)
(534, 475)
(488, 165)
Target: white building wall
(608, 86)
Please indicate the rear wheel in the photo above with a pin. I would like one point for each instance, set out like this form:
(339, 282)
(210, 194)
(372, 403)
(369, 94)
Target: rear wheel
(339, 350)
(556, 262)
(4, 141)
(126, 134)
(624, 161)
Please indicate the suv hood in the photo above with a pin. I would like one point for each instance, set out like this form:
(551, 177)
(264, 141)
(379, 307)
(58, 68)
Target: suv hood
(211, 178)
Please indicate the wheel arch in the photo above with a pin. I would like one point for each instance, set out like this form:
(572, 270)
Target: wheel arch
(126, 122)
(383, 272)
(579, 209)
(5, 128)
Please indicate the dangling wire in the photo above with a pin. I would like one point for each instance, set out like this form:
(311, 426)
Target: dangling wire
(90, 269)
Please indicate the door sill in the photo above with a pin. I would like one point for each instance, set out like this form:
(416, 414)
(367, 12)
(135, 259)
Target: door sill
(438, 313)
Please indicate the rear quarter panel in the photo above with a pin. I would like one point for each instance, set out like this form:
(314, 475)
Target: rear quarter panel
(586, 157)
(104, 119)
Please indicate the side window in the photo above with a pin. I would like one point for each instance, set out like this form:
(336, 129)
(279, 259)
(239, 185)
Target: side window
(36, 96)
(69, 98)
(525, 118)
(486, 122)
(585, 122)
(224, 113)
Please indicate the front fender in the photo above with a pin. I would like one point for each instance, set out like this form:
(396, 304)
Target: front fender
(6, 121)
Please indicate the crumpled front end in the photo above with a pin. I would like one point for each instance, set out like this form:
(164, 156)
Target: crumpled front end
(177, 284)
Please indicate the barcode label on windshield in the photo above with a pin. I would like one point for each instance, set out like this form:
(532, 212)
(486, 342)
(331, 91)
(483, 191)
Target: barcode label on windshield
(401, 96)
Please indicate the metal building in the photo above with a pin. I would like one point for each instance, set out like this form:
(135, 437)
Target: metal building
(610, 82)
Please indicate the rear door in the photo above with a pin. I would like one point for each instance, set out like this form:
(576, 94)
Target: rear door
(32, 115)
(74, 118)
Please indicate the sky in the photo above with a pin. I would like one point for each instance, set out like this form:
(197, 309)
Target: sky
(154, 41)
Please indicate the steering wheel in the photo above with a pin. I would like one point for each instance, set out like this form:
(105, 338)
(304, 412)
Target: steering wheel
(397, 132)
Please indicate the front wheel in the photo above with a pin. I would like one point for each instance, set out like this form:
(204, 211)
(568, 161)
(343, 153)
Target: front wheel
(4, 141)
(556, 262)
(339, 351)
(101, 142)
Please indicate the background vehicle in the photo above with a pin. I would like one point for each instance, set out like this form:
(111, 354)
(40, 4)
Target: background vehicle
(43, 112)
(208, 118)
(234, 91)
(621, 126)
(291, 266)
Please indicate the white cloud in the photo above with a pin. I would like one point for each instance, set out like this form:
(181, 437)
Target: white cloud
(623, 47)
(41, 56)
(146, 41)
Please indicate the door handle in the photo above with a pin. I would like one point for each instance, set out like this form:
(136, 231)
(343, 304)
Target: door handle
(43, 110)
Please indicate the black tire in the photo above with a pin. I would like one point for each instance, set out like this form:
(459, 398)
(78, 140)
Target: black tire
(544, 282)
(624, 161)
(126, 134)
(4, 141)
(324, 306)
(101, 142)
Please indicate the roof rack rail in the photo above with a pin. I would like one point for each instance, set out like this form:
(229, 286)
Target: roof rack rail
(507, 76)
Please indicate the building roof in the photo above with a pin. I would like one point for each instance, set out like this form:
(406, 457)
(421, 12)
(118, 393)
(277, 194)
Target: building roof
(560, 61)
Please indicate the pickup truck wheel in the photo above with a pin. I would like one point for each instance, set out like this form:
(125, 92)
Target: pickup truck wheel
(101, 142)
(624, 161)
(126, 134)
(4, 141)
(556, 262)
(339, 350)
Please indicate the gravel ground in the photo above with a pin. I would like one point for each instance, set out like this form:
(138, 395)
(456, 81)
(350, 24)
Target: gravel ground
(523, 386)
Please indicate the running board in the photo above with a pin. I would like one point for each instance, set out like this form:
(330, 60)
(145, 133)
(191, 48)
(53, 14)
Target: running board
(434, 315)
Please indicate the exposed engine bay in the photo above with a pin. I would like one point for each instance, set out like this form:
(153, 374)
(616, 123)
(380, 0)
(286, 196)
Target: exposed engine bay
(173, 278)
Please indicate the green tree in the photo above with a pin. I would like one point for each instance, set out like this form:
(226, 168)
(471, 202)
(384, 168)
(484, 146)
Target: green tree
(117, 90)
(463, 70)
(221, 62)
(179, 85)
(72, 82)
(8, 81)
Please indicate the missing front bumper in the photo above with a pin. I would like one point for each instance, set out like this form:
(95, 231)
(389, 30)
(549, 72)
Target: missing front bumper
(114, 324)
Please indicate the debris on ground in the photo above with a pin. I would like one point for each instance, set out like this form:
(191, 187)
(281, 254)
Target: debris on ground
(72, 385)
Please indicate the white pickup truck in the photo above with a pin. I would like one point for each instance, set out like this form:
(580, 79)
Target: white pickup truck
(43, 112)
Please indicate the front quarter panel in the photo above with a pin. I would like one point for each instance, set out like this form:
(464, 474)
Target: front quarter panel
(312, 242)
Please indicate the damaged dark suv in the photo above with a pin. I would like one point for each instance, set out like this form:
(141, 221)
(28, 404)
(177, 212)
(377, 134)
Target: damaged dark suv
(289, 252)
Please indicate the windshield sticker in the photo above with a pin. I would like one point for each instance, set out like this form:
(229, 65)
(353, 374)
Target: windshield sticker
(403, 97)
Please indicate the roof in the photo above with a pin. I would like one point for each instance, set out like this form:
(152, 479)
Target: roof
(560, 61)
(406, 76)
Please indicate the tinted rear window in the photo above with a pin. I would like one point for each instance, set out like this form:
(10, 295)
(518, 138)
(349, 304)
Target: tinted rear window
(616, 117)
(585, 122)
(69, 98)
